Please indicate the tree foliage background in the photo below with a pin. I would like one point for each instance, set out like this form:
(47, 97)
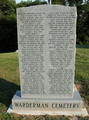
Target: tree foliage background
(8, 25)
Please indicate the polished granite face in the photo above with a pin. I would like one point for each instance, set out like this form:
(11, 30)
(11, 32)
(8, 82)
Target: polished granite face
(46, 42)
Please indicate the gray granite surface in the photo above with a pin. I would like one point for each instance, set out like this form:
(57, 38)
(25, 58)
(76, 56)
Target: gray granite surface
(73, 104)
(46, 42)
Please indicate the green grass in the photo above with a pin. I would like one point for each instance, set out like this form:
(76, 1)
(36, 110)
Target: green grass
(10, 83)
(9, 78)
(82, 70)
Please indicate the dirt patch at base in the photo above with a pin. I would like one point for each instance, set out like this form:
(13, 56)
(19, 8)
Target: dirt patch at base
(86, 103)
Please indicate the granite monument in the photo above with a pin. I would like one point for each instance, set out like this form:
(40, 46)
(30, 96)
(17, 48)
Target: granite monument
(47, 47)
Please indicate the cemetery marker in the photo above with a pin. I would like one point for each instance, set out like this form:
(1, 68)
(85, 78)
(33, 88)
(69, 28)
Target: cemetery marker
(47, 43)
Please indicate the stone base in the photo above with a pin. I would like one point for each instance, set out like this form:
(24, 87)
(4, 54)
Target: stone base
(72, 106)
(27, 112)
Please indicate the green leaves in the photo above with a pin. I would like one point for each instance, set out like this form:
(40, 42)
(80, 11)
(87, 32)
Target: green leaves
(7, 7)
(61, 2)
(83, 24)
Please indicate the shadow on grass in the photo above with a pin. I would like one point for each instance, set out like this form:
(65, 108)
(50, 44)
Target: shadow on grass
(82, 46)
(7, 91)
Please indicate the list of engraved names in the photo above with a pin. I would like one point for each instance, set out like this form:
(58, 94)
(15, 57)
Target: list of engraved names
(47, 51)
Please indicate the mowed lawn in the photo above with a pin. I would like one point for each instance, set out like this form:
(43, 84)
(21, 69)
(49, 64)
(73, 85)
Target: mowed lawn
(10, 83)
